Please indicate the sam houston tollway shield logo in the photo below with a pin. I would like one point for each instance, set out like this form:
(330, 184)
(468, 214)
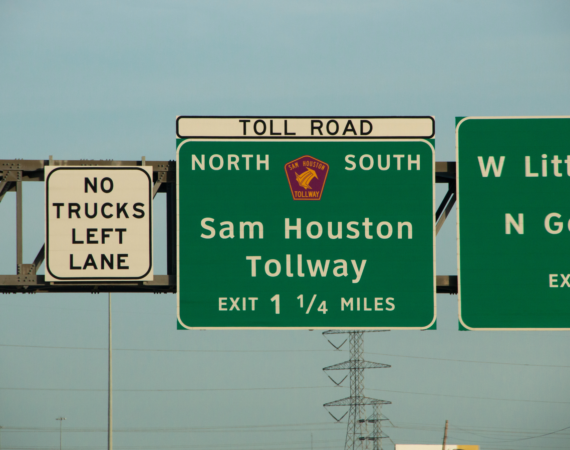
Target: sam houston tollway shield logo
(307, 176)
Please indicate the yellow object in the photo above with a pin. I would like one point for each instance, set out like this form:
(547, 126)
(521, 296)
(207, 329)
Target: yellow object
(305, 178)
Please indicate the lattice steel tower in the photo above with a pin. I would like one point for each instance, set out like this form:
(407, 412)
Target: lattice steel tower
(358, 436)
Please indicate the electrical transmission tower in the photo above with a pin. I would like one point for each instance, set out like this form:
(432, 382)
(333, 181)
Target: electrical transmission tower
(358, 436)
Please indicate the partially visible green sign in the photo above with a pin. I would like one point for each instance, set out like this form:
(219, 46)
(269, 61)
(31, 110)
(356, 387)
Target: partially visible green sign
(513, 215)
(306, 234)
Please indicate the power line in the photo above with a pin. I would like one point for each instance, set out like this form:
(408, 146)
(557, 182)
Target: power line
(473, 361)
(164, 350)
(486, 428)
(534, 437)
(167, 430)
(465, 396)
(466, 429)
(473, 431)
(280, 425)
(158, 447)
(279, 445)
(291, 430)
(557, 366)
(278, 388)
(286, 428)
(169, 390)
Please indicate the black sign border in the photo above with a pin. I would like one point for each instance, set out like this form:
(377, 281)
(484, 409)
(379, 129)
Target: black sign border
(306, 137)
(47, 224)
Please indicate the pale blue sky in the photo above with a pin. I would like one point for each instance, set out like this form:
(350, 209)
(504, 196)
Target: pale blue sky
(107, 79)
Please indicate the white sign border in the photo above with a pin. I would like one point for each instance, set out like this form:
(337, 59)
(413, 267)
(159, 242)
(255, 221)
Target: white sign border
(301, 328)
(464, 119)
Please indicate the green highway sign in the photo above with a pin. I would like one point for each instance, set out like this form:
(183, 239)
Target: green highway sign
(306, 222)
(513, 220)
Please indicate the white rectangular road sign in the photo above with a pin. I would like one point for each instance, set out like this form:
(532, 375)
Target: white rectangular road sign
(98, 223)
(196, 127)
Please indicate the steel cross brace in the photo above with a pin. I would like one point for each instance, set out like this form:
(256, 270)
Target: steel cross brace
(445, 172)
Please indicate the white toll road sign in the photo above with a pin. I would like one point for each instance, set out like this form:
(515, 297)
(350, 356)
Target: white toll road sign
(98, 223)
(196, 127)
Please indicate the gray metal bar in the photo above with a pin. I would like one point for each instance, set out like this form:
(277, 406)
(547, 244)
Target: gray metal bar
(155, 188)
(444, 215)
(19, 225)
(446, 284)
(39, 258)
(37, 284)
(159, 280)
(33, 170)
(37, 164)
(159, 181)
(4, 187)
(445, 171)
(171, 236)
(444, 202)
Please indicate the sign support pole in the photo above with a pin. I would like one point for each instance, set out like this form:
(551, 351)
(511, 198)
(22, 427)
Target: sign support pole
(19, 227)
(110, 426)
(61, 419)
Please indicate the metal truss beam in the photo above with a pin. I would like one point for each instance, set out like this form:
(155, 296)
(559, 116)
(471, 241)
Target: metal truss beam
(14, 172)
